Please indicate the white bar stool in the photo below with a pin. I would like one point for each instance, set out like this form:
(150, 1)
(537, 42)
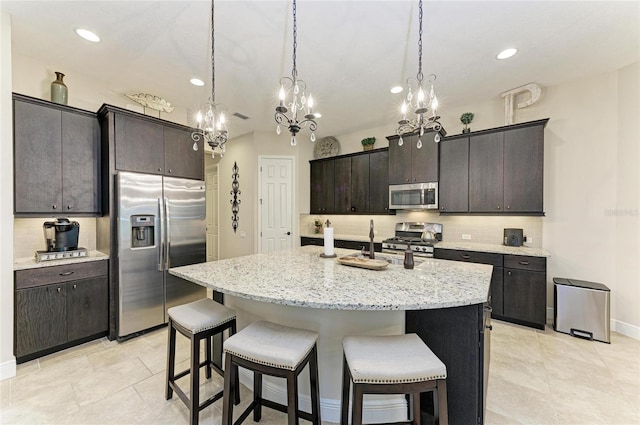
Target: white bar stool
(396, 364)
(199, 320)
(276, 350)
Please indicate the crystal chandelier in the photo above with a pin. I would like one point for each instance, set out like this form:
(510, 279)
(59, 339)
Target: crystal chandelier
(211, 123)
(425, 109)
(299, 103)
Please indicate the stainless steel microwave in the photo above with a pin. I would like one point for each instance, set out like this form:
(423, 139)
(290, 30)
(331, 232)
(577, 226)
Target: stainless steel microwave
(416, 196)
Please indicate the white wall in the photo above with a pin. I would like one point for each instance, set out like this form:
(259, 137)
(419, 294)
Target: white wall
(7, 361)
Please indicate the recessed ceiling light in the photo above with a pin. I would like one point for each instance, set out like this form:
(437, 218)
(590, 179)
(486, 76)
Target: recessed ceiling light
(507, 53)
(87, 35)
(396, 89)
(197, 82)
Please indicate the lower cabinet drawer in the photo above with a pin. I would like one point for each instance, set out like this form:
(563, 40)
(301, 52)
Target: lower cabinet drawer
(469, 256)
(57, 274)
(522, 262)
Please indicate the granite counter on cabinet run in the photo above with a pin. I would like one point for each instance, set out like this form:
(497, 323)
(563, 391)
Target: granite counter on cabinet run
(442, 301)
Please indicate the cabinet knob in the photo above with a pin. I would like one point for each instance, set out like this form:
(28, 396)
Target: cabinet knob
(159, 169)
(498, 207)
(441, 208)
(54, 206)
(490, 327)
(508, 207)
(68, 207)
(75, 286)
(59, 289)
(509, 273)
(169, 170)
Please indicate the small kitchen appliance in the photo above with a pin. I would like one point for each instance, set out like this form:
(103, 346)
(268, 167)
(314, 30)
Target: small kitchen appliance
(61, 235)
(419, 237)
(416, 196)
(513, 237)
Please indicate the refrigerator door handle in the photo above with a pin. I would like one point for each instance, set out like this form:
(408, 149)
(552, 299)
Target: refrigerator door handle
(167, 239)
(161, 244)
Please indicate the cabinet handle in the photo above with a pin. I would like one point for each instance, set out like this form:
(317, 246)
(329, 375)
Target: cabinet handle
(69, 273)
(54, 206)
(465, 256)
(524, 263)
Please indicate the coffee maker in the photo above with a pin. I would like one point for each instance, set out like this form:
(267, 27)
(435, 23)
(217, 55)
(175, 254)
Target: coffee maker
(61, 235)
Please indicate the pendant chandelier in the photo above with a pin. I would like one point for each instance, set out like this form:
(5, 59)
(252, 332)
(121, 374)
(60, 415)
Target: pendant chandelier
(424, 107)
(298, 104)
(211, 124)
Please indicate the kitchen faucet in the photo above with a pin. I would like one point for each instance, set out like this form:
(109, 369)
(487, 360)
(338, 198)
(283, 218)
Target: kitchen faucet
(371, 249)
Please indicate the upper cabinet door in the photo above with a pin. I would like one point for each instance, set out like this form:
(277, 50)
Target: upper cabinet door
(322, 187)
(37, 159)
(342, 179)
(453, 188)
(379, 182)
(523, 169)
(360, 183)
(179, 157)
(400, 160)
(139, 145)
(486, 173)
(80, 163)
(424, 160)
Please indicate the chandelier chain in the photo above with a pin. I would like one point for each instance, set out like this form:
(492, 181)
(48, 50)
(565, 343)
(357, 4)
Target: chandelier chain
(294, 72)
(420, 75)
(213, 60)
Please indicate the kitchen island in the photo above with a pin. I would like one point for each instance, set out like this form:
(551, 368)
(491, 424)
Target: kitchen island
(442, 301)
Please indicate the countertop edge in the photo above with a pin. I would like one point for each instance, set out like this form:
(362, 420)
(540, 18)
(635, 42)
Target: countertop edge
(26, 263)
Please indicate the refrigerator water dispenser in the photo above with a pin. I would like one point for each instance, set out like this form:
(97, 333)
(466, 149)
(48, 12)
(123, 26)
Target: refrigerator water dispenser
(142, 231)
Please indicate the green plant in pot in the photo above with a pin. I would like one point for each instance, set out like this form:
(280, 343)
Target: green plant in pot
(367, 143)
(466, 119)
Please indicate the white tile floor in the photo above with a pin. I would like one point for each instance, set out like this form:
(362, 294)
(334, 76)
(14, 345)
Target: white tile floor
(536, 377)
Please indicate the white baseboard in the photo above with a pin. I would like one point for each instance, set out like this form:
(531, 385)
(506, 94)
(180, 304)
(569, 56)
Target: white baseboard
(618, 326)
(626, 329)
(8, 369)
(385, 409)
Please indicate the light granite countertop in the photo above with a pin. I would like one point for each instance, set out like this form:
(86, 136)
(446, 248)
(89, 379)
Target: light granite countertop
(300, 277)
(31, 263)
(496, 249)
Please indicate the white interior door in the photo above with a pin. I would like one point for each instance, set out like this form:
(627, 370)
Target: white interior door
(276, 203)
(211, 181)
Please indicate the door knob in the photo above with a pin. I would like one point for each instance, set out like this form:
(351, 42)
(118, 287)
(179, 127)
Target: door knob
(288, 233)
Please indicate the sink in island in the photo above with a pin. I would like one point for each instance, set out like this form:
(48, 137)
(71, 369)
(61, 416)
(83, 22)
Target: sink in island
(444, 302)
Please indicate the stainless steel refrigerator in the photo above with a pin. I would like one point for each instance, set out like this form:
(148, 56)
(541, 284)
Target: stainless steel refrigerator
(161, 223)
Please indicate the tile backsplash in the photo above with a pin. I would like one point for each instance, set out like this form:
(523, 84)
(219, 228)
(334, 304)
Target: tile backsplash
(28, 236)
(481, 229)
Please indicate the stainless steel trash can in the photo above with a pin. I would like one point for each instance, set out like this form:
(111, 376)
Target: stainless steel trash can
(581, 309)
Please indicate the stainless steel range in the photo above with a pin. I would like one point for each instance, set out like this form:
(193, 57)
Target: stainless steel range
(420, 236)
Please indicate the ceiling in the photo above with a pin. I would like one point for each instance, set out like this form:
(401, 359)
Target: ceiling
(349, 52)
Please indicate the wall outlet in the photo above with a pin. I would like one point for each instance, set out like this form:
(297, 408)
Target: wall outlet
(528, 239)
(466, 237)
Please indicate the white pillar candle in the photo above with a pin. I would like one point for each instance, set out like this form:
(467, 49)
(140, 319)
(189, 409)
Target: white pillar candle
(328, 241)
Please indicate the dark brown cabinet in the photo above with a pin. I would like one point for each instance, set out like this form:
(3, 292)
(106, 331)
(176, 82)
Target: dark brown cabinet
(410, 164)
(351, 184)
(506, 170)
(150, 145)
(453, 185)
(341, 243)
(496, 171)
(59, 306)
(518, 284)
(525, 290)
(322, 186)
(56, 159)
